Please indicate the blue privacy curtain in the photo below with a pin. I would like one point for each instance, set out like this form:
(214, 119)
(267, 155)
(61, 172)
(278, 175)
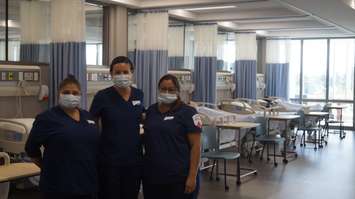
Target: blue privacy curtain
(245, 69)
(35, 31)
(151, 53)
(205, 70)
(277, 68)
(176, 47)
(67, 49)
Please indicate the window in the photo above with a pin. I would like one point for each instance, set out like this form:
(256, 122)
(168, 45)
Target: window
(295, 70)
(340, 89)
(33, 32)
(94, 34)
(14, 30)
(314, 69)
(94, 54)
(341, 69)
(189, 47)
(346, 113)
(229, 53)
(226, 51)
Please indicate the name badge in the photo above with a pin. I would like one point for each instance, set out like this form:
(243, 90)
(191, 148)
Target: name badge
(168, 118)
(136, 102)
(91, 122)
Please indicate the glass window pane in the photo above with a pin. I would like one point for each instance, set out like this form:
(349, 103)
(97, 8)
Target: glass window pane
(99, 54)
(314, 69)
(94, 34)
(341, 76)
(295, 67)
(229, 53)
(91, 54)
(14, 30)
(347, 113)
(315, 104)
(2, 30)
(189, 47)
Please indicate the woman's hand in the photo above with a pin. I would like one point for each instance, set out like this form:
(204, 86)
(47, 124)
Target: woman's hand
(190, 184)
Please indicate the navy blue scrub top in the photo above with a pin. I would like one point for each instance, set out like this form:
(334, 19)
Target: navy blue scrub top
(167, 149)
(120, 142)
(69, 163)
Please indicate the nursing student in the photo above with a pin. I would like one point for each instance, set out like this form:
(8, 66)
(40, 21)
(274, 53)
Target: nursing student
(119, 109)
(172, 132)
(69, 137)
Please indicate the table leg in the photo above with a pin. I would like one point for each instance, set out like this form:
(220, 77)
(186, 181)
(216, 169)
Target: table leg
(218, 141)
(342, 133)
(285, 143)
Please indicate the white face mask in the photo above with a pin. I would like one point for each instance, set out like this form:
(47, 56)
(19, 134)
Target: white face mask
(69, 101)
(167, 98)
(122, 81)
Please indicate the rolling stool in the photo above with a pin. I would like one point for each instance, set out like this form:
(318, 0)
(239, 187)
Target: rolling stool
(268, 140)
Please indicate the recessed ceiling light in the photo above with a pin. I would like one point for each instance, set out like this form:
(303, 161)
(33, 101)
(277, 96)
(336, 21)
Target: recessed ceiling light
(261, 32)
(210, 8)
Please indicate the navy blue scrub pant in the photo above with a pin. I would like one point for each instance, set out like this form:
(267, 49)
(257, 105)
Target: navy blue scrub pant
(170, 191)
(165, 191)
(119, 182)
(66, 196)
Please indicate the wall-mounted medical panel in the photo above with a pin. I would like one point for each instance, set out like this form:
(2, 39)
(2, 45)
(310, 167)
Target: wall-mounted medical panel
(187, 86)
(224, 85)
(98, 78)
(19, 80)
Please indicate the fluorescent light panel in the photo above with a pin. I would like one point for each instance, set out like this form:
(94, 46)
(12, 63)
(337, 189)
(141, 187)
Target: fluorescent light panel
(261, 32)
(209, 8)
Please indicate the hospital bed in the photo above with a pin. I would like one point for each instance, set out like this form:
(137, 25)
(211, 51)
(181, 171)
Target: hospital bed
(232, 131)
(212, 115)
(14, 171)
(13, 136)
(287, 106)
(262, 110)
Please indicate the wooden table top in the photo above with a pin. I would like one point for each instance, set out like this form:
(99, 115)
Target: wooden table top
(317, 114)
(282, 117)
(18, 170)
(239, 125)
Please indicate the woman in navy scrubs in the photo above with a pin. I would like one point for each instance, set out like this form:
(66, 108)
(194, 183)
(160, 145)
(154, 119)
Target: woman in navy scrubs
(70, 140)
(120, 109)
(172, 132)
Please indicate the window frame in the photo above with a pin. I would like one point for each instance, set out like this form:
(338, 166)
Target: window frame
(326, 100)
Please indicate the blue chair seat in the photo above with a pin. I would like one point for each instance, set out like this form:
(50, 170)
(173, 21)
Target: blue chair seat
(270, 139)
(309, 129)
(221, 155)
(335, 121)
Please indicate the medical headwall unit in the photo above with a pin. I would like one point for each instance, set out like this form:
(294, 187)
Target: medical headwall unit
(225, 86)
(185, 79)
(98, 78)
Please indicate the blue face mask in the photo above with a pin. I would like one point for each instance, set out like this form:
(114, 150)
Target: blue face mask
(122, 81)
(167, 98)
(69, 101)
